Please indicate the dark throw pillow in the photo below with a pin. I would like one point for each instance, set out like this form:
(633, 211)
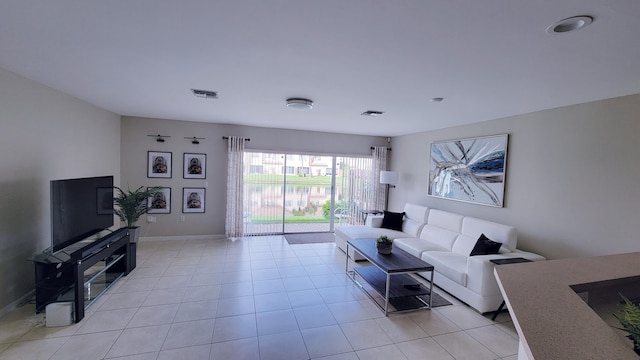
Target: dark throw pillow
(392, 220)
(485, 246)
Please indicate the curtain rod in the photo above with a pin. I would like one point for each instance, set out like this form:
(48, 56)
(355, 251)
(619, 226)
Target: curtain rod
(227, 138)
(388, 149)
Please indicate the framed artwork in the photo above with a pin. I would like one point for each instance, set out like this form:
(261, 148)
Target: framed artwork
(104, 201)
(159, 164)
(193, 200)
(160, 203)
(471, 170)
(195, 166)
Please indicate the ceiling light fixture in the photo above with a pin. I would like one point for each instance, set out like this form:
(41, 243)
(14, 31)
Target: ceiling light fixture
(299, 104)
(372, 113)
(206, 94)
(570, 24)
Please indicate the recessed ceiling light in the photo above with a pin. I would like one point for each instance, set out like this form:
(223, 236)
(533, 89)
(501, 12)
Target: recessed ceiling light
(299, 103)
(570, 24)
(207, 94)
(372, 113)
(437, 99)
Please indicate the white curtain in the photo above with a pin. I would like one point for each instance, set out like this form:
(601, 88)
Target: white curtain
(234, 226)
(379, 154)
(353, 189)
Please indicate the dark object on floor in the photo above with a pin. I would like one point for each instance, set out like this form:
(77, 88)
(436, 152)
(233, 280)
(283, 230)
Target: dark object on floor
(412, 286)
(309, 238)
(403, 303)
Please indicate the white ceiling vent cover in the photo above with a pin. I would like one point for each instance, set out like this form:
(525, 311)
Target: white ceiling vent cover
(207, 94)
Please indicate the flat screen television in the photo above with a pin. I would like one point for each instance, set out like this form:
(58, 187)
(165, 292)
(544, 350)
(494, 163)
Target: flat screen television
(80, 208)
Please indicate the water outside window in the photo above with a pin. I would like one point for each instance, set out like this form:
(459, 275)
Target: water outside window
(289, 193)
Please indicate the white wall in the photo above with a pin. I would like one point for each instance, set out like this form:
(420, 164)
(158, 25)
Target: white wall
(45, 135)
(136, 143)
(573, 177)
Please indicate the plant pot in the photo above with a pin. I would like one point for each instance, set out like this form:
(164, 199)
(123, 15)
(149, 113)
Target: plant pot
(131, 256)
(384, 249)
(134, 234)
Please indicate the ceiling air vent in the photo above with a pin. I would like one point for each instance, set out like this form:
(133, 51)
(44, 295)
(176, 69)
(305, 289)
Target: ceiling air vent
(372, 113)
(205, 94)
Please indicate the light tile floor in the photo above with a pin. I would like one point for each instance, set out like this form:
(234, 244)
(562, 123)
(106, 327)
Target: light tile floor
(253, 298)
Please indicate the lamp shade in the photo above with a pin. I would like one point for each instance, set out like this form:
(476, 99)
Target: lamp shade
(388, 177)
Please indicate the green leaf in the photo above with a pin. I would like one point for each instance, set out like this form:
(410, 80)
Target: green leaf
(629, 318)
(130, 205)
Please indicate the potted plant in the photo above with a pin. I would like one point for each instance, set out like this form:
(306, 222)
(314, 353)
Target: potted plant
(130, 205)
(384, 244)
(629, 318)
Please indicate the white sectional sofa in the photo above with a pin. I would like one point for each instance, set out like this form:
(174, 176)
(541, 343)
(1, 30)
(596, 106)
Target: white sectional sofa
(414, 219)
(445, 240)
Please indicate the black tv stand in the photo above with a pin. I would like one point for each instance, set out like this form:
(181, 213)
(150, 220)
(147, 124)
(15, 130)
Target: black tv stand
(81, 273)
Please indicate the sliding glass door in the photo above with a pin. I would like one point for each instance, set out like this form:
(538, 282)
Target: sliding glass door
(292, 193)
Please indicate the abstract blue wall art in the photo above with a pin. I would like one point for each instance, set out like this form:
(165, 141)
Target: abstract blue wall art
(471, 170)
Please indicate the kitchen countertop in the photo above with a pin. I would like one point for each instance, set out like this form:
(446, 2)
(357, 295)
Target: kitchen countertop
(553, 322)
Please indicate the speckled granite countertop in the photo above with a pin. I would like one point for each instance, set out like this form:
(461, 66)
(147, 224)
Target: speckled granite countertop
(552, 320)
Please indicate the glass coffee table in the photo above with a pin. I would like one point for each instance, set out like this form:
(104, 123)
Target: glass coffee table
(392, 277)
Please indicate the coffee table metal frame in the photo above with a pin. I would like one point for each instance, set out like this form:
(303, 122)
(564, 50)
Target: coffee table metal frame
(399, 266)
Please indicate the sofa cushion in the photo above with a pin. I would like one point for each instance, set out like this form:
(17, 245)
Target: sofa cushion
(411, 227)
(415, 246)
(485, 246)
(392, 220)
(439, 236)
(505, 234)
(445, 220)
(415, 212)
(349, 232)
(464, 244)
(451, 265)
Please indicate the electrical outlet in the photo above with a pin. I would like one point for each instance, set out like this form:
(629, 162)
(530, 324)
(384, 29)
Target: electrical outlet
(182, 218)
(151, 219)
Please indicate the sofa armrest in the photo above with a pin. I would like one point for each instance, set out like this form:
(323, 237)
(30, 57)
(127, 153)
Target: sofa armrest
(527, 255)
(480, 278)
(374, 221)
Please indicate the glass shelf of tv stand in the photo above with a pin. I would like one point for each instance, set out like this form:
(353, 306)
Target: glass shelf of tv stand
(97, 279)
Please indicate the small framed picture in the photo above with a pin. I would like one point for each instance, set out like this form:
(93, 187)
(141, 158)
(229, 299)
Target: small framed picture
(159, 164)
(160, 203)
(193, 200)
(195, 166)
(104, 201)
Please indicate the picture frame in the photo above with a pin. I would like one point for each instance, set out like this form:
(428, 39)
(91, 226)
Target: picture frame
(160, 203)
(471, 170)
(195, 166)
(159, 164)
(193, 200)
(104, 201)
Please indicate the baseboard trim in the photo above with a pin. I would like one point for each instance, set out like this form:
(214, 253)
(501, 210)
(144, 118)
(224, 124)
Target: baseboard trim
(183, 237)
(25, 299)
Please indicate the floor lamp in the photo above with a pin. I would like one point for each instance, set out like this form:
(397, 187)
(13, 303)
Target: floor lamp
(389, 178)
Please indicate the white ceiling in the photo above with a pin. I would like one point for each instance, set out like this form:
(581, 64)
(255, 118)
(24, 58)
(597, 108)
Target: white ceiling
(488, 59)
